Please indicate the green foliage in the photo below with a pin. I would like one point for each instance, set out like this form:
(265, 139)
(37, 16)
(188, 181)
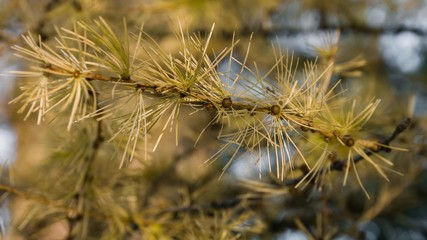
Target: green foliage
(117, 97)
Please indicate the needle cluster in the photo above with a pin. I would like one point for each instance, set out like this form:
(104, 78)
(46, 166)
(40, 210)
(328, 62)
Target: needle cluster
(286, 118)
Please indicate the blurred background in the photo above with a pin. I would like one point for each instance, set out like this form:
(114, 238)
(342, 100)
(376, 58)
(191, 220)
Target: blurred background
(390, 36)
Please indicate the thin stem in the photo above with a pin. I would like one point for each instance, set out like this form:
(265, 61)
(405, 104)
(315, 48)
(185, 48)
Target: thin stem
(87, 179)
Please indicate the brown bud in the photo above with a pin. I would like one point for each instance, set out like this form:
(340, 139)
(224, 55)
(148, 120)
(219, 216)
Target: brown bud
(275, 110)
(76, 74)
(227, 103)
(348, 140)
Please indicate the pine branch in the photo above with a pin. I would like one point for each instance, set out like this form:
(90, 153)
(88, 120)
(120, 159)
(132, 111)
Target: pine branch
(271, 113)
(340, 165)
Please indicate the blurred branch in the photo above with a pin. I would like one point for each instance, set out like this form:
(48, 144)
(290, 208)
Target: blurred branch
(51, 6)
(351, 27)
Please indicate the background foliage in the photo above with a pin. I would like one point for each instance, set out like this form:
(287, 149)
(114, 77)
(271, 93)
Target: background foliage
(64, 184)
